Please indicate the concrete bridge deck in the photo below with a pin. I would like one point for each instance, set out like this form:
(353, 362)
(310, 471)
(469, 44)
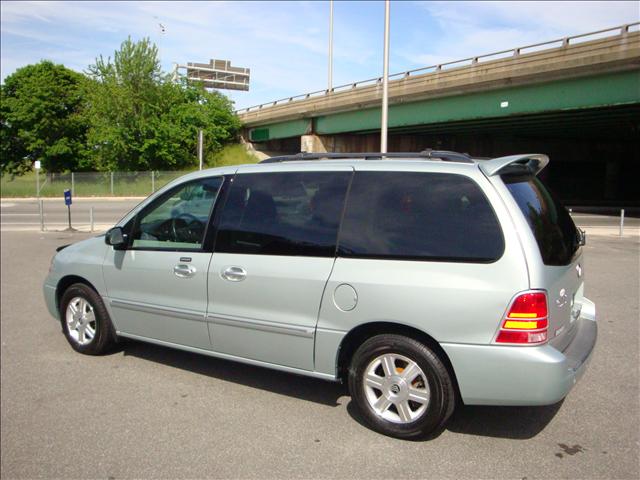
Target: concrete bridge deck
(578, 57)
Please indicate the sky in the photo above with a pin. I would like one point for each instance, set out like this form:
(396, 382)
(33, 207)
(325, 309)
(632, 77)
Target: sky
(285, 44)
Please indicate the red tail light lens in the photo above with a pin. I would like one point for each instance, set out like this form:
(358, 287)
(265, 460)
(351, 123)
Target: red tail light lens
(526, 321)
(529, 305)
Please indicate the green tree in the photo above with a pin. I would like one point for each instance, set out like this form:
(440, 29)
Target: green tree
(41, 119)
(139, 119)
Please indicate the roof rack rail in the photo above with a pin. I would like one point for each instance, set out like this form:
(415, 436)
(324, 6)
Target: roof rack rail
(425, 154)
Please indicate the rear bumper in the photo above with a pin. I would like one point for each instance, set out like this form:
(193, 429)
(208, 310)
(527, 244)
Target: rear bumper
(505, 375)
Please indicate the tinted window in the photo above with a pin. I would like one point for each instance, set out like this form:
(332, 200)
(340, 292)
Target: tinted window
(419, 216)
(550, 222)
(283, 213)
(178, 219)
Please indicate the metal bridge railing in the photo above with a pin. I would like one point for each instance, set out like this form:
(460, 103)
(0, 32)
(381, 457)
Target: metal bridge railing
(620, 30)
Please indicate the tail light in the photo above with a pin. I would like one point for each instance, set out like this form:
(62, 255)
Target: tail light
(526, 321)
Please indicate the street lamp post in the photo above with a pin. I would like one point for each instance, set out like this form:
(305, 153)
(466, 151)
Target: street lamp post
(385, 82)
(330, 76)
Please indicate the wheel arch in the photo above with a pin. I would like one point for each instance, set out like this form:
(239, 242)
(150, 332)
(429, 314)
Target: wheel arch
(68, 280)
(363, 332)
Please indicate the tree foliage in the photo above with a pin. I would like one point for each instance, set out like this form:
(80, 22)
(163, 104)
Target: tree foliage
(124, 114)
(139, 119)
(41, 119)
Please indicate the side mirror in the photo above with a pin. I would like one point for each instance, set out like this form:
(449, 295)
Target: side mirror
(582, 237)
(116, 238)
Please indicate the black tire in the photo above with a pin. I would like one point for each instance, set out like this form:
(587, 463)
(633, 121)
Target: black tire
(442, 398)
(104, 337)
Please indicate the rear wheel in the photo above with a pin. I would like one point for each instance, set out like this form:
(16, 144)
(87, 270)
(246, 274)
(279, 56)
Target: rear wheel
(401, 386)
(85, 320)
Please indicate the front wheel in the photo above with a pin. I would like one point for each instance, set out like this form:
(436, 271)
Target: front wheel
(85, 320)
(400, 386)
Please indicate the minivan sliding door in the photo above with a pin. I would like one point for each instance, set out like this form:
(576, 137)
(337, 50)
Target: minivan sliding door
(273, 254)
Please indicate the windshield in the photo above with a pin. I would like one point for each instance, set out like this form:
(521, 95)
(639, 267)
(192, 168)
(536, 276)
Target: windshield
(550, 222)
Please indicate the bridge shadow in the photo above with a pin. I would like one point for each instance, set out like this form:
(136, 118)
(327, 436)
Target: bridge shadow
(281, 383)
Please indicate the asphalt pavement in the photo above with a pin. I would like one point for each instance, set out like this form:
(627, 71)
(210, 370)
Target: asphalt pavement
(146, 411)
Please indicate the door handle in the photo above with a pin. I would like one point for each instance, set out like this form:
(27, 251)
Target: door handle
(184, 271)
(234, 274)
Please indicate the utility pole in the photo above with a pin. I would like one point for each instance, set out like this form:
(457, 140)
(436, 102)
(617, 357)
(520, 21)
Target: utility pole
(385, 81)
(200, 148)
(330, 76)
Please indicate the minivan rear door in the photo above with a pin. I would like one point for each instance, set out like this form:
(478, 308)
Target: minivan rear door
(561, 271)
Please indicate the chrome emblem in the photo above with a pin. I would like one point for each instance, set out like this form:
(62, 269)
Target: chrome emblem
(562, 299)
(395, 388)
(579, 270)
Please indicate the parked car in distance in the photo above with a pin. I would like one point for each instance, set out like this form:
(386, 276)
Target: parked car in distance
(419, 279)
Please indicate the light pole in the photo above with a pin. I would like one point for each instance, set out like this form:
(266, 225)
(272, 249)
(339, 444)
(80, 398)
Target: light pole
(37, 167)
(200, 142)
(330, 76)
(385, 82)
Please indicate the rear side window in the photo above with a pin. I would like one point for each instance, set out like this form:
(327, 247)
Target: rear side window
(423, 216)
(292, 213)
(549, 220)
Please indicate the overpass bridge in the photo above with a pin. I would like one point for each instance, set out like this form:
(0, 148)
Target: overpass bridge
(576, 99)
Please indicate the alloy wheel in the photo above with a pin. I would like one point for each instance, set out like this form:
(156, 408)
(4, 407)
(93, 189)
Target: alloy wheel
(81, 321)
(396, 388)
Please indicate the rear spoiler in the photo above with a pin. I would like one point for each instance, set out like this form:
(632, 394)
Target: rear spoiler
(524, 164)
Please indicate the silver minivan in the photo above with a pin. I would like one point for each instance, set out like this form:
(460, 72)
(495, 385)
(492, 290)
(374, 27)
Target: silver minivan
(420, 279)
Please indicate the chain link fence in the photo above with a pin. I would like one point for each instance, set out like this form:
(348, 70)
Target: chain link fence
(86, 184)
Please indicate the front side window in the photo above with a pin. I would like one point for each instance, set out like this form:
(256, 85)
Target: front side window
(421, 216)
(292, 213)
(178, 219)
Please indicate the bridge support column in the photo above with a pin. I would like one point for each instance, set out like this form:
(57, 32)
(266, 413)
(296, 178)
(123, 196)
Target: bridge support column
(313, 143)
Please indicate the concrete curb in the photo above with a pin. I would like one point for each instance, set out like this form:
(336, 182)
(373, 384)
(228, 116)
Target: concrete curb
(611, 231)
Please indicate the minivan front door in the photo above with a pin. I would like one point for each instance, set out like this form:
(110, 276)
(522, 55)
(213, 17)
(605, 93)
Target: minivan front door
(157, 287)
(274, 253)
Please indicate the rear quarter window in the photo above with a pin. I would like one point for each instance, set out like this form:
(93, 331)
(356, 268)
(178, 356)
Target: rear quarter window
(420, 216)
(549, 220)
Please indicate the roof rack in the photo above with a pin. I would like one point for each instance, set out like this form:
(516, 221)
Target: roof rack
(426, 155)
